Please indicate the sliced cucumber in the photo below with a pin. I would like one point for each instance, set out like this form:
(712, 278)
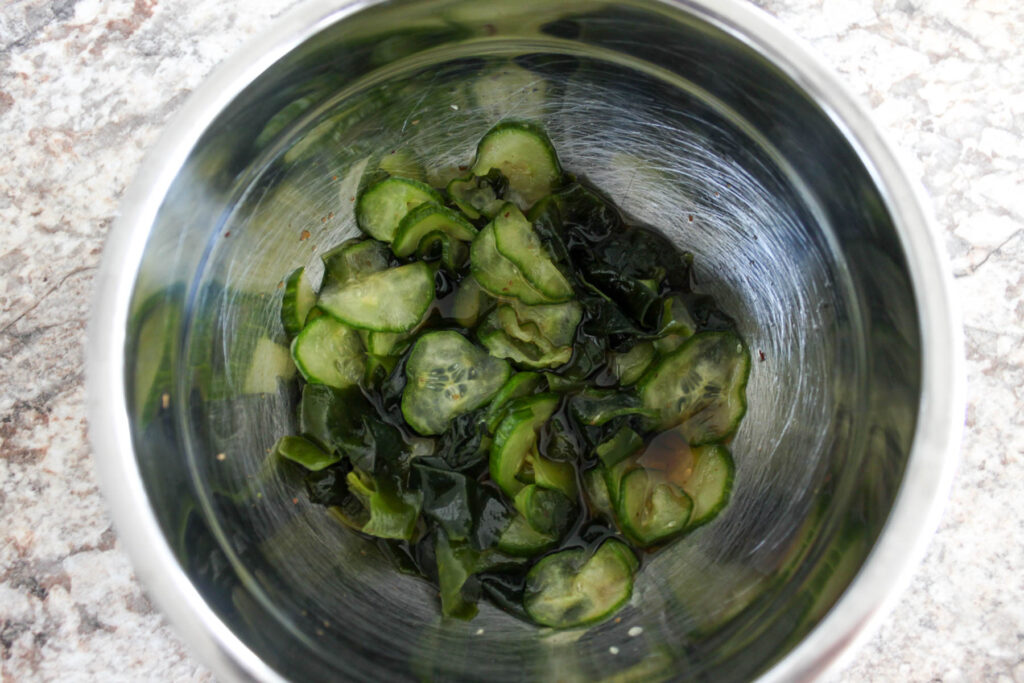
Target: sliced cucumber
(613, 477)
(517, 241)
(298, 300)
(439, 244)
(597, 492)
(573, 588)
(701, 387)
(523, 153)
(353, 259)
(386, 343)
(548, 511)
(559, 476)
(556, 323)
(623, 444)
(427, 218)
(497, 274)
(525, 354)
(710, 483)
(383, 205)
(522, 540)
(518, 385)
(516, 438)
(329, 352)
(651, 508)
(392, 300)
(630, 366)
(446, 376)
(478, 196)
(471, 302)
(305, 453)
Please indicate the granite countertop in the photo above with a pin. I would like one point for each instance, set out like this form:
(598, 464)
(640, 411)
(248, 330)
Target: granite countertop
(85, 87)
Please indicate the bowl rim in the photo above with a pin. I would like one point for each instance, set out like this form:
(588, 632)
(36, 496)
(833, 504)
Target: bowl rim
(916, 509)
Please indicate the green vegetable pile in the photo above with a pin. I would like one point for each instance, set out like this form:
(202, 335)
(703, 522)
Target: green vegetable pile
(511, 387)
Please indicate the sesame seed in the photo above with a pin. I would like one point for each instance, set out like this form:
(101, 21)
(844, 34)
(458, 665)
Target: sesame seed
(614, 650)
(635, 631)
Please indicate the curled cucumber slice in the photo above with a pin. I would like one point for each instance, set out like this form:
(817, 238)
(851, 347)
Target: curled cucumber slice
(298, 300)
(392, 300)
(575, 588)
(516, 438)
(709, 483)
(701, 386)
(446, 376)
(480, 195)
(425, 219)
(651, 508)
(354, 258)
(549, 512)
(517, 241)
(382, 206)
(497, 274)
(522, 540)
(329, 352)
(518, 385)
(524, 155)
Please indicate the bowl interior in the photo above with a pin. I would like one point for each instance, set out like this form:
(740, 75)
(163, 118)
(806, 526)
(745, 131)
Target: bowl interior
(687, 128)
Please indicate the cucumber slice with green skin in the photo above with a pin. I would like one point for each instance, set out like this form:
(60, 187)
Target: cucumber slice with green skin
(597, 493)
(353, 259)
(548, 511)
(574, 588)
(559, 476)
(630, 366)
(524, 155)
(526, 332)
(517, 241)
(516, 438)
(392, 300)
(425, 219)
(556, 323)
(624, 444)
(446, 376)
(305, 453)
(298, 300)
(710, 483)
(472, 302)
(501, 345)
(522, 540)
(650, 508)
(613, 477)
(438, 244)
(518, 385)
(701, 387)
(478, 196)
(386, 343)
(383, 205)
(329, 352)
(496, 274)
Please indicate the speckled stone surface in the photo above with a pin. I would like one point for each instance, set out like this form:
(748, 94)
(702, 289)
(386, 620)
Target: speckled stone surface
(85, 86)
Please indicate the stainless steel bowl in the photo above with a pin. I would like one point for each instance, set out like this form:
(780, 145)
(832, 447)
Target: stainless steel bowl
(702, 117)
